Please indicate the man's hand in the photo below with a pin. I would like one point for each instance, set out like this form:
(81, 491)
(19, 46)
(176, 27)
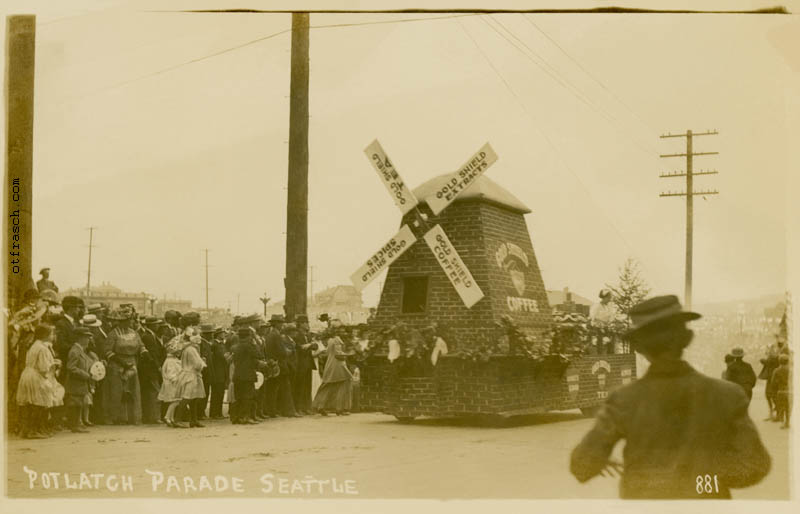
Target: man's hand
(612, 469)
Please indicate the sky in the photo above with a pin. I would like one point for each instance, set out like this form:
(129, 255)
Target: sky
(168, 132)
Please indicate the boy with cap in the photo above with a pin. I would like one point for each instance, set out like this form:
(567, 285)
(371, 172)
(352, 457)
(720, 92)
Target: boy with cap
(78, 379)
(781, 385)
(678, 424)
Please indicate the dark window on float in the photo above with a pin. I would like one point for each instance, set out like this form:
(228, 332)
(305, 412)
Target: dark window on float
(415, 294)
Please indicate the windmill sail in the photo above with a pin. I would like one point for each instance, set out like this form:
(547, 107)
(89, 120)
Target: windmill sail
(402, 196)
(462, 179)
(381, 259)
(453, 266)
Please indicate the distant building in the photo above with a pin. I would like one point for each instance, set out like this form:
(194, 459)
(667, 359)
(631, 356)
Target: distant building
(342, 302)
(144, 303)
(113, 296)
(164, 304)
(567, 301)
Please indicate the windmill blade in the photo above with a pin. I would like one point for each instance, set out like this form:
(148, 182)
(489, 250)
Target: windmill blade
(462, 179)
(381, 259)
(453, 266)
(402, 196)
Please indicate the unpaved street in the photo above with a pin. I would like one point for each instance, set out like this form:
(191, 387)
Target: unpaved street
(380, 458)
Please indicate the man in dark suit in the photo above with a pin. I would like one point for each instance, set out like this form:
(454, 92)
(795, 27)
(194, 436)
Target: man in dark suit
(276, 351)
(65, 324)
(218, 377)
(245, 363)
(741, 372)
(687, 435)
(150, 369)
(206, 352)
(301, 387)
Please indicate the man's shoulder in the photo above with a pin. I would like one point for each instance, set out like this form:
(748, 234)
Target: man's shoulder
(698, 381)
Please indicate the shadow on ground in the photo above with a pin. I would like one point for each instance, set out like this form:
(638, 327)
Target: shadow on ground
(489, 421)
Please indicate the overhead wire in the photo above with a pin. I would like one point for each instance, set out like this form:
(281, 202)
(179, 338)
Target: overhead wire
(588, 73)
(260, 39)
(566, 84)
(556, 152)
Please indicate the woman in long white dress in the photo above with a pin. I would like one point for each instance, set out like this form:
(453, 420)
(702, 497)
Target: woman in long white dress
(35, 391)
(190, 380)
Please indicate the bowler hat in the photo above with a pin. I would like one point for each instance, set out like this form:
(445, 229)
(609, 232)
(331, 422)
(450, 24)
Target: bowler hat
(207, 328)
(252, 318)
(120, 315)
(277, 318)
(244, 332)
(737, 352)
(71, 301)
(657, 309)
(301, 319)
(79, 332)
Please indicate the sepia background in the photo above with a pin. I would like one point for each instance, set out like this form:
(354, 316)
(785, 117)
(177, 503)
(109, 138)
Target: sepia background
(168, 132)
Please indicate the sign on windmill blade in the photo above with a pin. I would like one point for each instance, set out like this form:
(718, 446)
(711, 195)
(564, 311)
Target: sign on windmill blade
(462, 179)
(453, 266)
(402, 196)
(381, 259)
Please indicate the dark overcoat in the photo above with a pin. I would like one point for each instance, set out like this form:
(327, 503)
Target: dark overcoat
(740, 372)
(678, 425)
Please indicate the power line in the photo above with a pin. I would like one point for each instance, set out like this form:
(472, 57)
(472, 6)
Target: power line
(258, 40)
(564, 83)
(538, 129)
(577, 63)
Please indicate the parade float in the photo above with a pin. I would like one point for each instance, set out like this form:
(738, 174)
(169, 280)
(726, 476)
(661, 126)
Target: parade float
(477, 286)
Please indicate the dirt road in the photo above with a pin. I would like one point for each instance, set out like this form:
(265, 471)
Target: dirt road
(357, 456)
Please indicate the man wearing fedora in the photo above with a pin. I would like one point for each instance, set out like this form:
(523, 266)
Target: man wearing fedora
(741, 372)
(44, 283)
(65, 324)
(150, 370)
(301, 388)
(678, 425)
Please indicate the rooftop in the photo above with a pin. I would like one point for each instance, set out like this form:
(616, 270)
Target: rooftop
(482, 188)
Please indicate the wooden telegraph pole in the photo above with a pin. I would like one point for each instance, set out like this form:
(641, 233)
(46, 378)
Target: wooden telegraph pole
(18, 183)
(689, 194)
(296, 281)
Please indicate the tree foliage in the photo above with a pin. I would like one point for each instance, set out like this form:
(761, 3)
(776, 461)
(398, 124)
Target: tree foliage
(631, 288)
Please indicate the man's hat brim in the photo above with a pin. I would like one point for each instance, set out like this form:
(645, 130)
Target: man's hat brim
(678, 316)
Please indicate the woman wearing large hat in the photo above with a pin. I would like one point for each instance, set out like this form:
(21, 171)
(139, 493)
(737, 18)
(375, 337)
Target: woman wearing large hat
(123, 401)
(335, 393)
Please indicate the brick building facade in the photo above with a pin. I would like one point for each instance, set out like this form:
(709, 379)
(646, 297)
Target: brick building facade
(486, 225)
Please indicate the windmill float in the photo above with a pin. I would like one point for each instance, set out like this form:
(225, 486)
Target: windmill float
(435, 237)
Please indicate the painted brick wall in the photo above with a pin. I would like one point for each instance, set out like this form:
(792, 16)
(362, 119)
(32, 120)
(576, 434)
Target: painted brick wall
(504, 385)
(476, 228)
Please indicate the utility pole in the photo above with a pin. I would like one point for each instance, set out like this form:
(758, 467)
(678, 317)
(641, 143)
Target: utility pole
(89, 269)
(689, 194)
(311, 284)
(206, 252)
(18, 183)
(265, 300)
(297, 194)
